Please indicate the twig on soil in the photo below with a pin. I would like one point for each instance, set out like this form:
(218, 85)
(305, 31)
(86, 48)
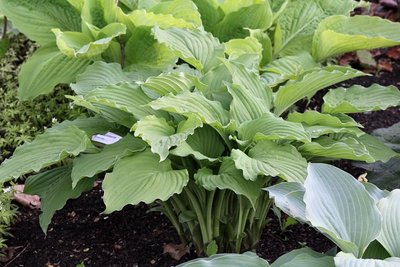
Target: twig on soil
(19, 254)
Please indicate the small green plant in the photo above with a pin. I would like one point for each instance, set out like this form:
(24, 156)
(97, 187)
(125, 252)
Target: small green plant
(8, 213)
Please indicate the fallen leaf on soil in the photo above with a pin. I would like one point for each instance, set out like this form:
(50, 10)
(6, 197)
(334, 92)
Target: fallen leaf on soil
(31, 201)
(366, 59)
(176, 251)
(385, 65)
(394, 53)
(347, 59)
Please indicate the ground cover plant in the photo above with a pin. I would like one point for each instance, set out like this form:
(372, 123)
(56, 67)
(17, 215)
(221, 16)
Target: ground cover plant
(205, 133)
(8, 212)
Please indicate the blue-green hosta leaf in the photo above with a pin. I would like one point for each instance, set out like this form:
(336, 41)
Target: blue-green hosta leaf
(390, 136)
(248, 259)
(161, 135)
(215, 80)
(329, 191)
(141, 178)
(270, 159)
(378, 150)
(359, 99)
(288, 197)
(304, 257)
(46, 149)
(99, 74)
(340, 34)
(204, 144)
(187, 103)
(80, 45)
(236, 48)
(375, 192)
(348, 260)
(270, 127)
(54, 188)
(312, 117)
(182, 9)
(88, 165)
(99, 13)
(311, 83)
(36, 18)
(197, 47)
(230, 178)
(46, 68)
(390, 210)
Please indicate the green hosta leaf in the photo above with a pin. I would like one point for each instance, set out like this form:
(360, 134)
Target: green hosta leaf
(54, 188)
(358, 99)
(36, 18)
(270, 159)
(311, 83)
(210, 13)
(266, 45)
(99, 13)
(348, 260)
(46, 149)
(378, 150)
(204, 144)
(238, 17)
(197, 47)
(88, 165)
(215, 81)
(80, 45)
(248, 259)
(141, 178)
(78, 4)
(288, 197)
(340, 34)
(183, 9)
(230, 178)
(161, 135)
(375, 251)
(91, 125)
(329, 191)
(269, 127)
(236, 48)
(304, 257)
(99, 74)
(46, 68)
(316, 131)
(312, 117)
(390, 210)
(187, 103)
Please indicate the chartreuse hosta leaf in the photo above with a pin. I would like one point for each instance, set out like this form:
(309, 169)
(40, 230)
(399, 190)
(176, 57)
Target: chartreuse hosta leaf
(46, 68)
(266, 45)
(348, 260)
(54, 188)
(183, 9)
(99, 12)
(304, 257)
(236, 48)
(141, 178)
(248, 259)
(36, 18)
(197, 47)
(340, 34)
(88, 165)
(32, 157)
(329, 191)
(161, 135)
(359, 99)
(390, 210)
(311, 83)
(80, 45)
(270, 159)
(210, 13)
(204, 144)
(78, 4)
(230, 178)
(187, 103)
(270, 127)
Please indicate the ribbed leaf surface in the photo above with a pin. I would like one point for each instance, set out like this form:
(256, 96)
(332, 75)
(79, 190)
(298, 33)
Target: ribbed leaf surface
(348, 260)
(304, 257)
(248, 259)
(312, 117)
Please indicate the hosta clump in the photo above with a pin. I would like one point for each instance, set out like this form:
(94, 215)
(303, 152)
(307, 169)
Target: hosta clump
(203, 134)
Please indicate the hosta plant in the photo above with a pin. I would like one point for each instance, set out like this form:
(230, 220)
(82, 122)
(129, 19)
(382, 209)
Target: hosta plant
(203, 95)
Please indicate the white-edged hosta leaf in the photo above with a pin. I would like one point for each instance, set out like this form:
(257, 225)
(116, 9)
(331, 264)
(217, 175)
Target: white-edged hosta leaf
(45, 150)
(270, 127)
(183, 9)
(187, 103)
(99, 74)
(197, 47)
(288, 197)
(359, 99)
(390, 210)
(329, 191)
(161, 135)
(230, 178)
(304, 257)
(340, 34)
(345, 148)
(312, 117)
(375, 192)
(36, 18)
(378, 150)
(54, 188)
(270, 159)
(46, 68)
(141, 178)
(204, 144)
(348, 260)
(311, 83)
(88, 165)
(248, 259)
